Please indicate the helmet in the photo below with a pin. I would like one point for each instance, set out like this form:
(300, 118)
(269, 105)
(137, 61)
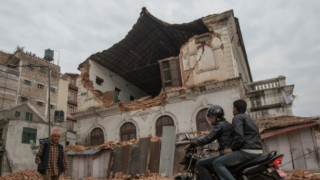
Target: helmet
(217, 111)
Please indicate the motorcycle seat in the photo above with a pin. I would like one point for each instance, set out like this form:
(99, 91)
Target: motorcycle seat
(252, 162)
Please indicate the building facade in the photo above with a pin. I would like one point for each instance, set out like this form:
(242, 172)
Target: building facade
(28, 84)
(68, 102)
(28, 77)
(21, 128)
(169, 75)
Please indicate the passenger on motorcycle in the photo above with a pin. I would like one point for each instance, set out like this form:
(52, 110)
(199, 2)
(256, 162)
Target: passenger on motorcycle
(246, 142)
(222, 132)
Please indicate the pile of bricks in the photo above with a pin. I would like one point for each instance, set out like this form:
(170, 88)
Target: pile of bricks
(75, 148)
(88, 84)
(142, 103)
(282, 121)
(147, 176)
(26, 174)
(301, 174)
(107, 145)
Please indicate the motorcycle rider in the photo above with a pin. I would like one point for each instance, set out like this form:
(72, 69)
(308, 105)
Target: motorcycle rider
(222, 131)
(246, 142)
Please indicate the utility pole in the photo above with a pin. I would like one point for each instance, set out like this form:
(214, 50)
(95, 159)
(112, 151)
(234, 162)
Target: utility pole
(49, 104)
(291, 153)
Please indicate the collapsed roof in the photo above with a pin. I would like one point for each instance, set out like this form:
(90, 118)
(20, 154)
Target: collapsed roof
(135, 58)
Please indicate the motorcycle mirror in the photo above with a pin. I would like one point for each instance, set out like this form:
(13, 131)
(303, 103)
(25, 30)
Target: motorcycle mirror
(187, 136)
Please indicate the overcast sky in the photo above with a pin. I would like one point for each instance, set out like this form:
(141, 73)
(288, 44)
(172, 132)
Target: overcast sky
(281, 36)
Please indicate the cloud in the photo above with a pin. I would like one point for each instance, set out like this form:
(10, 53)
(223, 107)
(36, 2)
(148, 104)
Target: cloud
(280, 36)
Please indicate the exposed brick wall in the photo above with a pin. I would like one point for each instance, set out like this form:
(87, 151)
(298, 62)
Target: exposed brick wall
(34, 74)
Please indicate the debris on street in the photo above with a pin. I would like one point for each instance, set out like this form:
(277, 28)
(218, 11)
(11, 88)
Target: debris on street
(301, 174)
(26, 174)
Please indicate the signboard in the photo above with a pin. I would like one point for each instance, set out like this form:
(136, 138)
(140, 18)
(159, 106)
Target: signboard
(62, 137)
(42, 141)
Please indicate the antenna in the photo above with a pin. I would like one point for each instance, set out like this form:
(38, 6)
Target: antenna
(58, 57)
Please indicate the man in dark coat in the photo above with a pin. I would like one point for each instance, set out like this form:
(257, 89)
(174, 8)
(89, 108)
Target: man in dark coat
(222, 132)
(51, 158)
(246, 143)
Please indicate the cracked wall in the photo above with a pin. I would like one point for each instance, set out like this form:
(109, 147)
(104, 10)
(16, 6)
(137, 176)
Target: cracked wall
(111, 90)
(215, 56)
(87, 95)
(205, 61)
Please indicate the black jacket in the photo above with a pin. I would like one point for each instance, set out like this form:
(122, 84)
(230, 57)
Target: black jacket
(246, 133)
(42, 167)
(222, 131)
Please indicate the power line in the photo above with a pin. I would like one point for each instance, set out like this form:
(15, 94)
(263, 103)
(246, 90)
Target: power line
(297, 158)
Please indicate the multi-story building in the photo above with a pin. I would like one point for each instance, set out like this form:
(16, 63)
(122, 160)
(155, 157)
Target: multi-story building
(28, 91)
(68, 102)
(26, 78)
(9, 81)
(164, 74)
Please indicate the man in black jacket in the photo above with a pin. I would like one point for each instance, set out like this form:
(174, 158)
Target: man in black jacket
(246, 142)
(222, 131)
(51, 158)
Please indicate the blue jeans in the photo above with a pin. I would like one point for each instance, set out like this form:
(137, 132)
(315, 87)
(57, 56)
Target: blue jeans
(203, 166)
(231, 159)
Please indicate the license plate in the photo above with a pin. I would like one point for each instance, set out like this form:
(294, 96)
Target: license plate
(281, 173)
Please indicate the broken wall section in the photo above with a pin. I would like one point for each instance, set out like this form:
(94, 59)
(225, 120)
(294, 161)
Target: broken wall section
(235, 62)
(104, 86)
(202, 60)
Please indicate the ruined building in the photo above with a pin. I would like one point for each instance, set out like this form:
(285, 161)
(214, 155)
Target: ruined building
(164, 74)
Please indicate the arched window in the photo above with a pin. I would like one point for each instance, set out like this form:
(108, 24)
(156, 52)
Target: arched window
(96, 137)
(202, 124)
(128, 131)
(163, 121)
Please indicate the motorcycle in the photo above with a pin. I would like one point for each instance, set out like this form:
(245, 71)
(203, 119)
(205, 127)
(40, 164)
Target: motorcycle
(264, 167)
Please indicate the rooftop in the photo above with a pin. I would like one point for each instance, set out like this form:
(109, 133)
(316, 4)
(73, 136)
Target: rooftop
(135, 58)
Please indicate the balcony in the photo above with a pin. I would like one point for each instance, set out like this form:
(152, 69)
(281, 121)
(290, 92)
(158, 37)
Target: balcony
(73, 87)
(72, 102)
(266, 84)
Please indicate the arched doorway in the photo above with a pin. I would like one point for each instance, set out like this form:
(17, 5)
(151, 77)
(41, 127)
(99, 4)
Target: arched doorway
(128, 131)
(163, 121)
(202, 123)
(96, 137)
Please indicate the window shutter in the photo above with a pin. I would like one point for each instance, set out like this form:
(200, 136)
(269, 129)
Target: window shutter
(170, 72)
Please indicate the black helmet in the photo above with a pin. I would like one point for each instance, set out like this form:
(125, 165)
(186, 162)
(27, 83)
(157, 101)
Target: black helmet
(217, 111)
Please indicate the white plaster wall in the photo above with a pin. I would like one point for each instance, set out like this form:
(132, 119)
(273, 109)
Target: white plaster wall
(85, 98)
(201, 63)
(231, 41)
(182, 112)
(112, 80)
(270, 97)
(71, 137)
(63, 96)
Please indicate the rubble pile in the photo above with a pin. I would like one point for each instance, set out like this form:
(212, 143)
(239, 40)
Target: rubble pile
(26, 174)
(88, 84)
(142, 103)
(107, 145)
(282, 121)
(301, 174)
(202, 133)
(75, 148)
(156, 138)
(147, 176)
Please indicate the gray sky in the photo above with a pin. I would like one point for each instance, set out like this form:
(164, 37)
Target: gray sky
(280, 36)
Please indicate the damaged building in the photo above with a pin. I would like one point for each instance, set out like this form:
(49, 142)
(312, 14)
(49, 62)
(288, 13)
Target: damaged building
(165, 74)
